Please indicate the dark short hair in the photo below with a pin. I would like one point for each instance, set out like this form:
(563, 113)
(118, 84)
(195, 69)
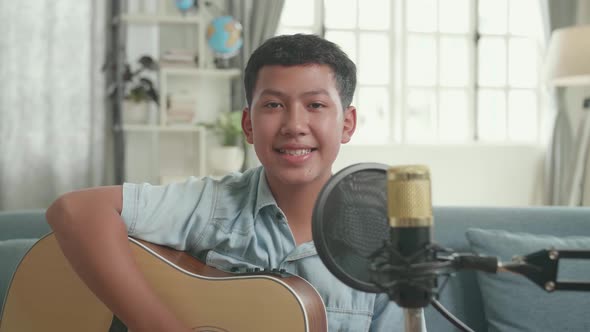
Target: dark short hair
(302, 49)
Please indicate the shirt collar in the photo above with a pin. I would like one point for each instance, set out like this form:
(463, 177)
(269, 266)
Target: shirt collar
(264, 196)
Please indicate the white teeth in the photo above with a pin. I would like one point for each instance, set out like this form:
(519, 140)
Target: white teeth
(298, 152)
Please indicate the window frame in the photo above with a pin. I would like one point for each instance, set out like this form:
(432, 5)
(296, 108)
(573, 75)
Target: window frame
(398, 86)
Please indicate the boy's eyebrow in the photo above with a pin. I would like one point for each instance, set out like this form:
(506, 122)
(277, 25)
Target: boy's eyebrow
(272, 92)
(278, 93)
(316, 92)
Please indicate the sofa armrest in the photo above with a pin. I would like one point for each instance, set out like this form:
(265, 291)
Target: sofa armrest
(25, 224)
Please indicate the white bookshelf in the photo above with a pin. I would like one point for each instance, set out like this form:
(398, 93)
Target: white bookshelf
(199, 72)
(158, 128)
(160, 19)
(163, 148)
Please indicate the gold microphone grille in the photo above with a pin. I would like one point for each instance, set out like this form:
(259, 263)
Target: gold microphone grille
(409, 196)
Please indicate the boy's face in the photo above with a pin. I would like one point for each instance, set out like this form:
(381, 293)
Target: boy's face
(296, 123)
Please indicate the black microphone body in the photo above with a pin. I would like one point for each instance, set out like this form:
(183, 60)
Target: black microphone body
(414, 290)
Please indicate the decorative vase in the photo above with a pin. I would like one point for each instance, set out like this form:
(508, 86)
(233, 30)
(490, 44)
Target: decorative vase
(225, 159)
(136, 112)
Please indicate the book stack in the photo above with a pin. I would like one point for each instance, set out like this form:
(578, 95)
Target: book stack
(181, 108)
(179, 58)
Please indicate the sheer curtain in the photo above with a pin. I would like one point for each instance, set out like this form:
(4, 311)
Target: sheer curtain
(558, 14)
(260, 19)
(52, 102)
(584, 92)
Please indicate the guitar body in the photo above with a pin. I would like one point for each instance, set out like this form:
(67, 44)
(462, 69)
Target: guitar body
(47, 295)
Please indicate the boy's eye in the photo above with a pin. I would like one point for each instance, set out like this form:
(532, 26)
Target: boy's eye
(273, 105)
(316, 105)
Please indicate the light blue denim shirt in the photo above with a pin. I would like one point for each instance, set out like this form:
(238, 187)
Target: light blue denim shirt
(235, 222)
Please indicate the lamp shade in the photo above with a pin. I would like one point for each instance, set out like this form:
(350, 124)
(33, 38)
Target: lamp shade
(568, 57)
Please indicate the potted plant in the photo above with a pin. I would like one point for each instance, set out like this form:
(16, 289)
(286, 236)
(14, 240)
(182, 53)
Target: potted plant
(140, 92)
(228, 155)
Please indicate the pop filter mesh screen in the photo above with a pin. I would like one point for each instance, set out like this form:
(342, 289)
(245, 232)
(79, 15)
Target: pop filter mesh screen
(350, 222)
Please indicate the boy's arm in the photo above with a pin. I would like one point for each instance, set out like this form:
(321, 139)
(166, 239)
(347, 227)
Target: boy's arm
(93, 237)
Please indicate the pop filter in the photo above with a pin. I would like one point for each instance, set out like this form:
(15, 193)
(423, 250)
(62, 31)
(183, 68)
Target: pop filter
(372, 228)
(350, 223)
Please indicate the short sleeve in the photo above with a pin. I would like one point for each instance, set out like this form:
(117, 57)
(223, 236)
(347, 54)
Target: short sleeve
(173, 215)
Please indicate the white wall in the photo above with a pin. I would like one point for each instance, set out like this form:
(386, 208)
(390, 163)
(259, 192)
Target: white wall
(467, 175)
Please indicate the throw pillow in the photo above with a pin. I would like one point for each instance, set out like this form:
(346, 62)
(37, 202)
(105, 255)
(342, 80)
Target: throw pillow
(514, 303)
(11, 253)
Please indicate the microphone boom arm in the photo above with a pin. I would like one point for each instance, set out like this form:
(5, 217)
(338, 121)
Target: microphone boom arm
(541, 267)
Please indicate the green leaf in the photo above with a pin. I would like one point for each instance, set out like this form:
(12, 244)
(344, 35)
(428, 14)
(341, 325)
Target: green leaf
(227, 127)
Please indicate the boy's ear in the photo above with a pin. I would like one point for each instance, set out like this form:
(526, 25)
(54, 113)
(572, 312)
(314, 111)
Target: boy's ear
(247, 125)
(349, 124)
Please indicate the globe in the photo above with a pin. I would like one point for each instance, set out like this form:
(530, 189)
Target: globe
(224, 36)
(185, 5)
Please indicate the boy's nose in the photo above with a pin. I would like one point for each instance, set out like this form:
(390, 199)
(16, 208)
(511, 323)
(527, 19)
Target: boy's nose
(295, 122)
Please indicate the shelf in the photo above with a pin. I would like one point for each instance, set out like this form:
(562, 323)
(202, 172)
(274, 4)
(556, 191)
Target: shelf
(194, 71)
(160, 19)
(170, 128)
(161, 150)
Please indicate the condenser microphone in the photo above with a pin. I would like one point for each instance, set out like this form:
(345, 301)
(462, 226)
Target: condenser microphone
(372, 228)
(409, 209)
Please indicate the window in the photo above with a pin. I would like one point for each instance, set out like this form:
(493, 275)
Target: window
(435, 71)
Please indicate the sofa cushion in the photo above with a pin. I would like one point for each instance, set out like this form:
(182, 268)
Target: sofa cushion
(11, 253)
(23, 224)
(514, 303)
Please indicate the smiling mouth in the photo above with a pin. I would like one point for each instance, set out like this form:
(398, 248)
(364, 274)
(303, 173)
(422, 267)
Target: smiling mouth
(296, 152)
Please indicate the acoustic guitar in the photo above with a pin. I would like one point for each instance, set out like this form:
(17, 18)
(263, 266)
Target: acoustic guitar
(46, 295)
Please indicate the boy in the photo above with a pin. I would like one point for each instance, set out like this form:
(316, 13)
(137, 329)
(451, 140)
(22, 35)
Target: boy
(298, 89)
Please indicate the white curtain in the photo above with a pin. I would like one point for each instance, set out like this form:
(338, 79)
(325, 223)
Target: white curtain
(580, 191)
(52, 103)
(562, 150)
(260, 20)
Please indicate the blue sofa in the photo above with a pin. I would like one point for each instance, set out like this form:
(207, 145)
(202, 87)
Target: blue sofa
(18, 232)
(523, 305)
(462, 295)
